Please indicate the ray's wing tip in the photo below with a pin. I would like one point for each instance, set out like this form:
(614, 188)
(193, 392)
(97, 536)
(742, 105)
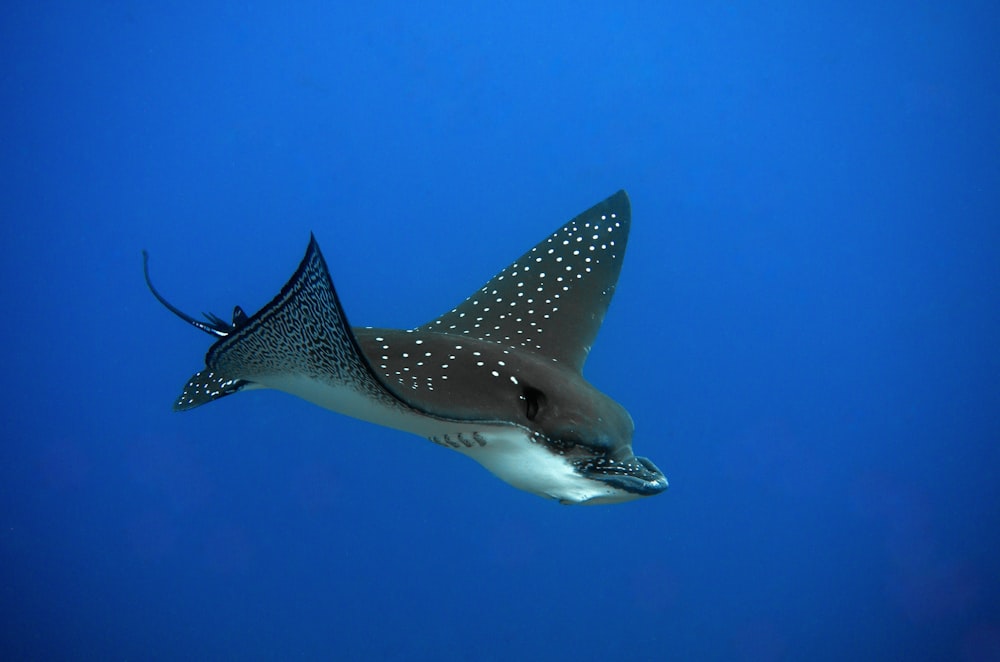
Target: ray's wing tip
(313, 251)
(185, 402)
(621, 202)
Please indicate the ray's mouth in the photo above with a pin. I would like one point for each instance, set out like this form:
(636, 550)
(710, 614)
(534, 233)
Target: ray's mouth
(637, 475)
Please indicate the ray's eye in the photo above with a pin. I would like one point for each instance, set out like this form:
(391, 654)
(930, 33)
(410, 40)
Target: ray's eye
(533, 401)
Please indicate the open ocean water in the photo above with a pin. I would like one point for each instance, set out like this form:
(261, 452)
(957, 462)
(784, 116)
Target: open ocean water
(805, 330)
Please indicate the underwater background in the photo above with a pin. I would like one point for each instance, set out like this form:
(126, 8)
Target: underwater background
(805, 330)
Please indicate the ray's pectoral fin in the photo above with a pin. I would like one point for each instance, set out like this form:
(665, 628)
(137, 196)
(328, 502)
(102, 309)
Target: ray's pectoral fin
(301, 340)
(552, 300)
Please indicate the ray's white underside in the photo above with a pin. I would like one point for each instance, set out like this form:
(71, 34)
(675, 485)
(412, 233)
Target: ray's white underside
(506, 450)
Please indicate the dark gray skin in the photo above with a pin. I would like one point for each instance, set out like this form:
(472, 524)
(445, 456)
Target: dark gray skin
(561, 409)
(569, 406)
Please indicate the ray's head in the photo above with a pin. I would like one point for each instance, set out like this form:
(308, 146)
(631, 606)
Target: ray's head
(591, 435)
(545, 428)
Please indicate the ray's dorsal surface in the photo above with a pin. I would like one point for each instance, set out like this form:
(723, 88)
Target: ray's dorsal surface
(497, 378)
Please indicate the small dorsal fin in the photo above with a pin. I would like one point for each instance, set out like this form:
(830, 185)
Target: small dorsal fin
(215, 325)
(239, 319)
(552, 300)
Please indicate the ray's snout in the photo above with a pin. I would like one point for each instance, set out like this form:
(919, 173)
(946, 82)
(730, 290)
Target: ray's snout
(635, 477)
(660, 483)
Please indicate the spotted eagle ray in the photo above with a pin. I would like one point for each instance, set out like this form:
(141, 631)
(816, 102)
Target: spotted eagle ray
(498, 378)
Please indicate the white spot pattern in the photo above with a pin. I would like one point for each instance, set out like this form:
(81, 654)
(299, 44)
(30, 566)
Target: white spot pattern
(571, 276)
(570, 288)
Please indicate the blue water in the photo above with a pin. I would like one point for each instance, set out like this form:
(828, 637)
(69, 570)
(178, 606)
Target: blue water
(805, 329)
